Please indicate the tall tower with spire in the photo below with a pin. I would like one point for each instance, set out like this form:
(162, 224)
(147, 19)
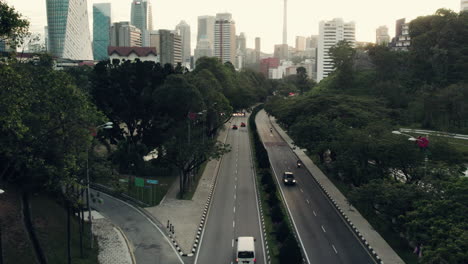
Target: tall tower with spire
(285, 23)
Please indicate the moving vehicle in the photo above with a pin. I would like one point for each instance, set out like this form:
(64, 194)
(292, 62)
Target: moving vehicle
(234, 126)
(288, 178)
(245, 253)
(242, 124)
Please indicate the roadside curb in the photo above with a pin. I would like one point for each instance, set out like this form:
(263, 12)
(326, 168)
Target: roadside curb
(129, 246)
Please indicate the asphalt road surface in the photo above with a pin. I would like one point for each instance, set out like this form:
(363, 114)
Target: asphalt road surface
(323, 234)
(234, 208)
(150, 245)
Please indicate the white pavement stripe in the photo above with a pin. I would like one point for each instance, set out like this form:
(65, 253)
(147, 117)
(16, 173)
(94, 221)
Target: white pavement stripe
(234, 210)
(307, 201)
(314, 213)
(323, 229)
(232, 243)
(235, 196)
(301, 190)
(334, 249)
(233, 224)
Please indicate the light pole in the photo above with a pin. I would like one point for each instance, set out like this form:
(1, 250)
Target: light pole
(107, 125)
(423, 144)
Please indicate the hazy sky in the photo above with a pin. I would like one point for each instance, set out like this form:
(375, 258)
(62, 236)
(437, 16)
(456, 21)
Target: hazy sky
(263, 18)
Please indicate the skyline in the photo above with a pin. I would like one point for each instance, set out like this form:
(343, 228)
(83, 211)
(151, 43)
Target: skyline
(258, 18)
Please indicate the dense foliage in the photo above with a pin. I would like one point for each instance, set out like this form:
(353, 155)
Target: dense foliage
(346, 121)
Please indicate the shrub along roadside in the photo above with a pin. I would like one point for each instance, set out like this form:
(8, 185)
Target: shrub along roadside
(279, 236)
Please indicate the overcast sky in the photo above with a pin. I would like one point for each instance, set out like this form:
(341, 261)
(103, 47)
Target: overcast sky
(263, 18)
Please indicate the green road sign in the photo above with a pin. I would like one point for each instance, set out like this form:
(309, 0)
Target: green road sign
(139, 182)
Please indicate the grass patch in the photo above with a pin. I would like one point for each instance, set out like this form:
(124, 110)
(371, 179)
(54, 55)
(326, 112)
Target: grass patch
(50, 223)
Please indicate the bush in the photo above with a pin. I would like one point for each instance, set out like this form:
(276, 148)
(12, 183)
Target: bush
(276, 213)
(290, 252)
(282, 231)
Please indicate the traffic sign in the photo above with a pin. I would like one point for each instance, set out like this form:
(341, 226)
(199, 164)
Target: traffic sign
(152, 181)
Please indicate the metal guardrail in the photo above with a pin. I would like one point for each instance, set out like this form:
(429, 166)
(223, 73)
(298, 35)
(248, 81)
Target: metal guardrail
(435, 133)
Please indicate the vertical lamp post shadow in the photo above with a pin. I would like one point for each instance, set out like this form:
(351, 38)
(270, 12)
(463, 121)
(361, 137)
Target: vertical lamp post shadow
(107, 125)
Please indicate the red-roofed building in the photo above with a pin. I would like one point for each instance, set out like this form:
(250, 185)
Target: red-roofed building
(132, 53)
(267, 64)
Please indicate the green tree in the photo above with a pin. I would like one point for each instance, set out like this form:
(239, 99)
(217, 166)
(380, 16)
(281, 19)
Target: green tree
(342, 56)
(13, 27)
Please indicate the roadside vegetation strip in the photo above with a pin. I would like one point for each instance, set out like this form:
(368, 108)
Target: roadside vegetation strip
(281, 242)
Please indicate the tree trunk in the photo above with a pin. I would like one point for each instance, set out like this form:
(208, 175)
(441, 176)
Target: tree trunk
(68, 234)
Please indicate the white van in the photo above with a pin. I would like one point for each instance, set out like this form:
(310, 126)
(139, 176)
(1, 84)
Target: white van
(245, 250)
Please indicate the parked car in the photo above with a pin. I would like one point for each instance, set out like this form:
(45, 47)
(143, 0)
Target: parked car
(242, 124)
(288, 178)
(234, 126)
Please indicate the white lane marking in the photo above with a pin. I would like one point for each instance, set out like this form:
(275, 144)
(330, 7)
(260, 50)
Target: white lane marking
(232, 243)
(236, 171)
(233, 223)
(334, 249)
(314, 213)
(235, 196)
(301, 191)
(234, 210)
(323, 229)
(235, 187)
(307, 201)
(236, 178)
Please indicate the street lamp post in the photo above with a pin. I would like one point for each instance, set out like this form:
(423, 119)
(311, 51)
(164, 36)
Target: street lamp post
(107, 125)
(1, 247)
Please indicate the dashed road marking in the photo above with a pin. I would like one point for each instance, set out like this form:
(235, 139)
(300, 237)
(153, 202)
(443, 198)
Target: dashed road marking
(334, 249)
(323, 229)
(232, 243)
(301, 190)
(234, 209)
(314, 213)
(307, 201)
(233, 223)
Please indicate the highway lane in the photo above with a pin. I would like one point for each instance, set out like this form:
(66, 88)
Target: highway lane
(150, 245)
(323, 234)
(234, 208)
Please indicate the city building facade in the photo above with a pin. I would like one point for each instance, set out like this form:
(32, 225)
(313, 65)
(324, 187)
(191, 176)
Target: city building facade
(267, 64)
(141, 16)
(132, 53)
(463, 5)
(330, 33)
(203, 49)
(68, 28)
(206, 26)
(225, 38)
(381, 36)
(125, 35)
(402, 39)
(183, 30)
(101, 30)
(257, 49)
(300, 43)
(170, 47)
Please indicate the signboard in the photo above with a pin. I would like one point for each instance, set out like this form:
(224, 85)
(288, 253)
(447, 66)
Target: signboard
(123, 180)
(139, 182)
(152, 181)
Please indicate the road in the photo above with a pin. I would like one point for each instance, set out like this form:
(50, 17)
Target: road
(150, 245)
(234, 208)
(323, 234)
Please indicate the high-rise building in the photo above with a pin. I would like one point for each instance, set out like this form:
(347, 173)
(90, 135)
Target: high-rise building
(241, 51)
(330, 33)
(184, 32)
(225, 38)
(281, 51)
(101, 30)
(168, 45)
(68, 25)
(312, 42)
(257, 49)
(206, 26)
(125, 35)
(381, 36)
(402, 39)
(141, 16)
(203, 49)
(463, 5)
(300, 43)
(242, 42)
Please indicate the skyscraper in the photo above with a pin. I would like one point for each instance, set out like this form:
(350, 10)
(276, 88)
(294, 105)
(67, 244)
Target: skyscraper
(381, 36)
(101, 30)
(225, 38)
(68, 25)
(141, 16)
(330, 33)
(125, 35)
(184, 31)
(206, 25)
(463, 5)
(170, 47)
(257, 49)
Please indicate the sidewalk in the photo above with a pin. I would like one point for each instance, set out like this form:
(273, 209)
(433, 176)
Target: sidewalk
(374, 240)
(113, 246)
(185, 215)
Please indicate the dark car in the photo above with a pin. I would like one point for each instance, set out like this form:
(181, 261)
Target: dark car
(234, 127)
(288, 178)
(242, 124)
